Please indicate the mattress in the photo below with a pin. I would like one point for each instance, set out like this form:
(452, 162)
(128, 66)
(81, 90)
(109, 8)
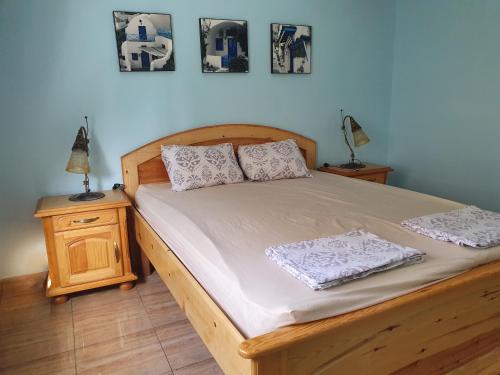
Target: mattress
(220, 234)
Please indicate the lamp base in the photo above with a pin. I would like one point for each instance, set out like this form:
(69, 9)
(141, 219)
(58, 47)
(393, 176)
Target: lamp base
(352, 165)
(90, 196)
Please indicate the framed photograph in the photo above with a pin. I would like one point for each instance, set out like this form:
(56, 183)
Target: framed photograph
(290, 48)
(144, 41)
(223, 45)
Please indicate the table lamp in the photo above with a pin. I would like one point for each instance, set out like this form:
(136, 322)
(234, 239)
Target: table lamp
(79, 163)
(359, 137)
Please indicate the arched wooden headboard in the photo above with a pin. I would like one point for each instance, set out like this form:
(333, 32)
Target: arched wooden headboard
(144, 165)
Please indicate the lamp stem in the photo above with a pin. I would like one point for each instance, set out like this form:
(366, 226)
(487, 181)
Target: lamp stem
(344, 129)
(86, 183)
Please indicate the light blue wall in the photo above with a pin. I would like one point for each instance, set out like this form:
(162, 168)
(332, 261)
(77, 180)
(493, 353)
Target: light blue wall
(445, 110)
(58, 62)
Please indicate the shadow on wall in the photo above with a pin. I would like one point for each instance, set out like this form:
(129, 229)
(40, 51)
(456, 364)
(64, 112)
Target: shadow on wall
(100, 169)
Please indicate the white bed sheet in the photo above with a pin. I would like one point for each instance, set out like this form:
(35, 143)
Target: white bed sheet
(220, 234)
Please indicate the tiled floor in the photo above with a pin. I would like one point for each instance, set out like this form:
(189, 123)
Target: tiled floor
(140, 331)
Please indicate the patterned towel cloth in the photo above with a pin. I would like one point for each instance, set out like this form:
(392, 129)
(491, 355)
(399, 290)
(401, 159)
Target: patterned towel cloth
(468, 226)
(330, 261)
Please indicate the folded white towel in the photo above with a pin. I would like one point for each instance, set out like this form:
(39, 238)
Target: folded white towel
(325, 262)
(469, 226)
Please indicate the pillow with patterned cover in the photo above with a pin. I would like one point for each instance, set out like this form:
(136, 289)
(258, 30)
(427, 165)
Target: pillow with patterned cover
(193, 167)
(272, 161)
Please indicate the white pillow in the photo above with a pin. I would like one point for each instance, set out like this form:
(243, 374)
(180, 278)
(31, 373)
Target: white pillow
(272, 161)
(193, 167)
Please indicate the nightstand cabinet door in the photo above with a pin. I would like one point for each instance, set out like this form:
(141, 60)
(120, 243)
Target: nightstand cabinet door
(90, 254)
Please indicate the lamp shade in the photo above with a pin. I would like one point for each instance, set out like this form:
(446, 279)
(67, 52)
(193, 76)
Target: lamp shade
(78, 162)
(79, 159)
(359, 136)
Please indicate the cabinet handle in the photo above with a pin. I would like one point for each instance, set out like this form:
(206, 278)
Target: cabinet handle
(86, 221)
(117, 252)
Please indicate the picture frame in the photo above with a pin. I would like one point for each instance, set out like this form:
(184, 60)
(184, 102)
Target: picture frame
(224, 45)
(291, 48)
(144, 41)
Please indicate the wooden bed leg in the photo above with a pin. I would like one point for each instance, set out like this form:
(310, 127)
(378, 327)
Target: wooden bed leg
(271, 364)
(145, 265)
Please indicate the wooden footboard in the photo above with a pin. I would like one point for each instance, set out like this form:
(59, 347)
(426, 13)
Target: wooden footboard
(453, 325)
(450, 326)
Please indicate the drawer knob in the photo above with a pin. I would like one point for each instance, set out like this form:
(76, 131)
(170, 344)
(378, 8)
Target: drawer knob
(86, 221)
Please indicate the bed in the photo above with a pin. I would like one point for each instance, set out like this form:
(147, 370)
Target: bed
(386, 323)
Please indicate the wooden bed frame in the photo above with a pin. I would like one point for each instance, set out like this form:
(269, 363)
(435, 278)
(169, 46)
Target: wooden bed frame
(451, 326)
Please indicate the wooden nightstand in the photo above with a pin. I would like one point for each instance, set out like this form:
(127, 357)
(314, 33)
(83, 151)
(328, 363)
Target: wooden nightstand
(87, 243)
(372, 172)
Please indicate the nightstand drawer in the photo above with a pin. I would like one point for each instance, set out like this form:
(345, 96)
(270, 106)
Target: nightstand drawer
(84, 220)
(378, 178)
(371, 172)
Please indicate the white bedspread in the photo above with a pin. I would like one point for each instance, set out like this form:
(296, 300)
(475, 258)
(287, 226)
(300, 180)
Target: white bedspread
(331, 261)
(220, 233)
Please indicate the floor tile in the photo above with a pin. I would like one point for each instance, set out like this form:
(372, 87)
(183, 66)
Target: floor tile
(97, 298)
(57, 364)
(208, 367)
(17, 311)
(138, 353)
(174, 330)
(182, 344)
(152, 285)
(162, 309)
(20, 285)
(95, 323)
(13, 302)
(33, 340)
(112, 329)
